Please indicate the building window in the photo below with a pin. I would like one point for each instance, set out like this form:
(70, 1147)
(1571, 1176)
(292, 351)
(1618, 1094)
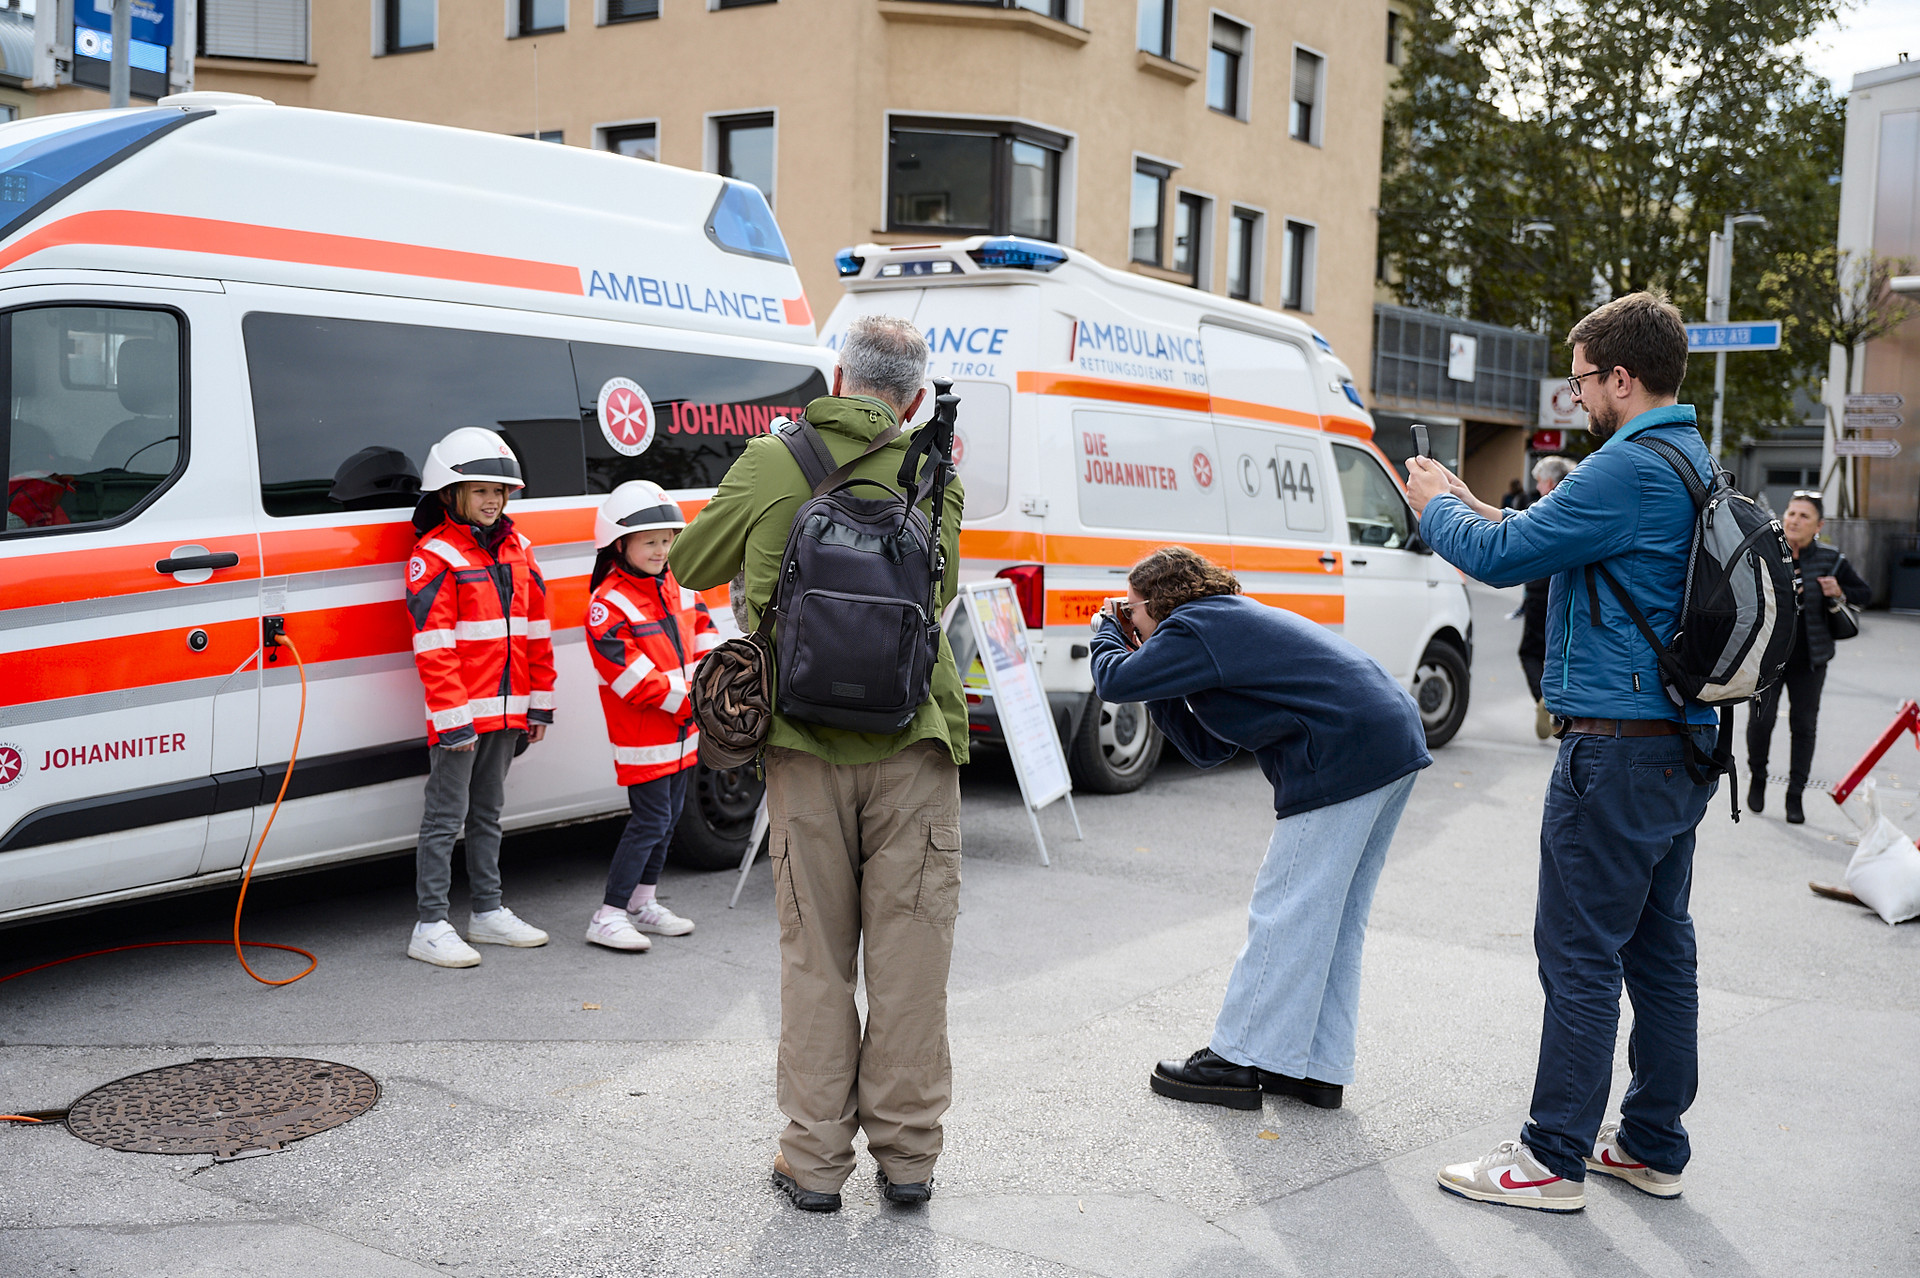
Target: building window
(1243, 255)
(1149, 210)
(1304, 123)
(1190, 223)
(1156, 27)
(264, 30)
(557, 136)
(738, 4)
(407, 25)
(1227, 67)
(1055, 9)
(1393, 38)
(744, 149)
(641, 141)
(976, 177)
(1298, 292)
(631, 10)
(539, 17)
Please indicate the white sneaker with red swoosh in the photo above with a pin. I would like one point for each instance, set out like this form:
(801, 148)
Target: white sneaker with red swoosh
(1510, 1175)
(1610, 1158)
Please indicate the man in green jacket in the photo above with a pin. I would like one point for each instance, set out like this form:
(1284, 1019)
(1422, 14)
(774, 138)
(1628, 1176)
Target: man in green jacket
(864, 826)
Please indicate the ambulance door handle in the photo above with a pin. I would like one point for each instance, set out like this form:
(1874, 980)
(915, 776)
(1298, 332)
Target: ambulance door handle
(1329, 559)
(190, 563)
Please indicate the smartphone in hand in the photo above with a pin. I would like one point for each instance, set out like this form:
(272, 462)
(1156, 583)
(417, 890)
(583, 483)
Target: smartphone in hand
(1117, 609)
(1421, 447)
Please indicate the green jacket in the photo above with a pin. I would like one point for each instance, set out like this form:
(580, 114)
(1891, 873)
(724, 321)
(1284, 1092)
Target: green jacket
(748, 521)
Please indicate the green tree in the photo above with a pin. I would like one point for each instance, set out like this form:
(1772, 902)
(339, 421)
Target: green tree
(1630, 128)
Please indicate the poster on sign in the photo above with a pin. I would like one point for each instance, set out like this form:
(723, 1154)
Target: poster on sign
(1019, 700)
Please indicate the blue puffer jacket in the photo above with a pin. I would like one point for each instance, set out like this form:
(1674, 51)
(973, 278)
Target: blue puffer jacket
(1624, 507)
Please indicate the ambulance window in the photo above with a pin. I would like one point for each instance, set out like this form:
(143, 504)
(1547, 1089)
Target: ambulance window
(1261, 370)
(1151, 473)
(1377, 514)
(333, 397)
(982, 438)
(95, 426)
(699, 413)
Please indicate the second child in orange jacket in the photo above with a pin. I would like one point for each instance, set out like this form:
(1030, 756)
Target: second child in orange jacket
(645, 633)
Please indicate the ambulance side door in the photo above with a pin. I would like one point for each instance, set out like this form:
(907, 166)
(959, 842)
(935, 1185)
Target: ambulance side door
(128, 683)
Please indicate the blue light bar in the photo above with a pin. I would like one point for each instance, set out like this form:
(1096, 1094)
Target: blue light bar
(1352, 394)
(847, 262)
(1016, 252)
(1321, 342)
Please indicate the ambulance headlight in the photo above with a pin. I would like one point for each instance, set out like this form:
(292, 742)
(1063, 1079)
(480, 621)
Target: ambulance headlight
(847, 262)
(1018, 253)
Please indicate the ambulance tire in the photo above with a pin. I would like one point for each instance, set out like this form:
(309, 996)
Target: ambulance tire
(1440, 688)
(1115, 748)
(714, 825)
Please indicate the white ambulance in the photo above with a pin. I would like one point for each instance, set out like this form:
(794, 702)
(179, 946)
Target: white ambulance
(1104, 414)
(229, 333)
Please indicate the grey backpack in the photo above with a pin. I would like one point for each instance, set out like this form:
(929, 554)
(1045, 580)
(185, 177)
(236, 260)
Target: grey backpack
(857, 600)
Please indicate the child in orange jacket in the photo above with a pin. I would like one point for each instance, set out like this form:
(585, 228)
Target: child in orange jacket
(646, 633)
(483, 644)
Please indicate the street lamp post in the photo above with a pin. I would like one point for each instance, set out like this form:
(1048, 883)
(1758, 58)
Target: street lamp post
(1719, 294)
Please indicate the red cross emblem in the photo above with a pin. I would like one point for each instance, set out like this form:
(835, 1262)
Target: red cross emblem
(10, 766)
(1202, 469)
(626, 417)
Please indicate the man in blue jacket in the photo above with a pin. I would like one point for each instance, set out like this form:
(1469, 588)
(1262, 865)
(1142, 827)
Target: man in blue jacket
(1617, 835)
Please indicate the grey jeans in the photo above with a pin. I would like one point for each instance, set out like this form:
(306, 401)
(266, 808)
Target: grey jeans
(464, 788)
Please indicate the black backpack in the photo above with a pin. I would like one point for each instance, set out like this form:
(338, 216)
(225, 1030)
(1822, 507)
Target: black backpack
(857, 600)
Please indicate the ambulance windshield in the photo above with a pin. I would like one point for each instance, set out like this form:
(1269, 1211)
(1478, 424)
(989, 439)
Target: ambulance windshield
(40, 159)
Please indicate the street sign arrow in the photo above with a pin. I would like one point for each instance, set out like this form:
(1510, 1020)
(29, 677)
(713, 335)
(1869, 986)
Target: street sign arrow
(1750, 335)
(1871, 403)
(1866, 447)
(1861, 420)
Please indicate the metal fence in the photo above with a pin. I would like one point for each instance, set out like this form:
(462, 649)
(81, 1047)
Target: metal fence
(1410, 367)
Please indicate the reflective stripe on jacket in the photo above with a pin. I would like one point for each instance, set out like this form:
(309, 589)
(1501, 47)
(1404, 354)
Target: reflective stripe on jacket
(646, 635)
(481, 637)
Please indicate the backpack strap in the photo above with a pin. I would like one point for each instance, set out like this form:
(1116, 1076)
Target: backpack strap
(1681, 467)
(816, 462)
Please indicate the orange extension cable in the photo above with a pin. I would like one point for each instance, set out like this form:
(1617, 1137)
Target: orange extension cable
(239, 946)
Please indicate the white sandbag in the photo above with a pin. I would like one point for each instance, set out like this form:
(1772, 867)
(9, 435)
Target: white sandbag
(1885, 872)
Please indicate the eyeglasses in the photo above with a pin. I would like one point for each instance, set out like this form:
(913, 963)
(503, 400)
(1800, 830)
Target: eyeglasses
(1808, 494)
(1573, 382)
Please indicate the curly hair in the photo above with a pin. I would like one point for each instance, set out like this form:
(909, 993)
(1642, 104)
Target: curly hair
(1173, 575)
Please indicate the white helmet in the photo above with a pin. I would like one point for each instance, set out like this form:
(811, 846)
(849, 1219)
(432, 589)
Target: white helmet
(470, 455)
(634, 506)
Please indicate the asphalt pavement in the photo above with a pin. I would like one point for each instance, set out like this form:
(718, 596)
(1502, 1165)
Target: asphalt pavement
(573, 1111)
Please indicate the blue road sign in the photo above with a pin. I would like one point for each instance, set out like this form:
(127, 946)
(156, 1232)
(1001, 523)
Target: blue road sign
(1754, 335)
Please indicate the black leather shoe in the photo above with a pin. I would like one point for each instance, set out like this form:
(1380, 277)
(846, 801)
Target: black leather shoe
(804, 1199)
(1314, 1092)
(1209, 1080)
(1756, 793)
(1795, 816)
(911, 1195)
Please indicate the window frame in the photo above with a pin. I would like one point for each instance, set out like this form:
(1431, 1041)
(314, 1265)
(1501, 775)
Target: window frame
(720, 125)
(1396, 37)
(1004, 133)
(1316, 109)
(1169, 17)
(386, 29)
(520, 11)
(1240, 103)
(1298, 268)
(1150, 166)
(603, 134)
(715, 6)
(1200, 272)
(181, 462)
(1256, 265)
(603, 16)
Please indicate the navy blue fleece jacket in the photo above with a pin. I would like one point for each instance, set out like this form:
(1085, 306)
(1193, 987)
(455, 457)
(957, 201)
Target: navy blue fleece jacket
(1225, 674)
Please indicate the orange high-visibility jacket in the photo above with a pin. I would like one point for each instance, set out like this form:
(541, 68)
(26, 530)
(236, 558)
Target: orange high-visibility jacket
(647, 633)
(481, 637)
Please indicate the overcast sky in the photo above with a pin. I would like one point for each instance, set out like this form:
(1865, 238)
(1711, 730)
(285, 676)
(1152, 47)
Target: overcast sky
(1869, 35)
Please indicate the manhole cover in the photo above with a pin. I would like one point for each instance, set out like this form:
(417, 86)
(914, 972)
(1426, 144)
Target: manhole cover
(222, 1107)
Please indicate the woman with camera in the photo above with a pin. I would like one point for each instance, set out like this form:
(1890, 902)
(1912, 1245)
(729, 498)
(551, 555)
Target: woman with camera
(1340, 741)
(1828, 584)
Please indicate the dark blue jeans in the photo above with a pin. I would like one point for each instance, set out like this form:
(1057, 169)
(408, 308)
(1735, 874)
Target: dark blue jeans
(1616, 869)
(642, 851)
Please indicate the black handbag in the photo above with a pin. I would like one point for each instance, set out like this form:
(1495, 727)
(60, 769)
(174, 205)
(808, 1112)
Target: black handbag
(1843, 619)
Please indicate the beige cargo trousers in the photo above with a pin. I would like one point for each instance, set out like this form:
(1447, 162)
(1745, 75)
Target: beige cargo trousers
(866, 852)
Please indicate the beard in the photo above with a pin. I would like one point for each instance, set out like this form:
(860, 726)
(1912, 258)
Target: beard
(1603, 421)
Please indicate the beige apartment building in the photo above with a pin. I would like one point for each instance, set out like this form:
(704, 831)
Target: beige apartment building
(1236, 148)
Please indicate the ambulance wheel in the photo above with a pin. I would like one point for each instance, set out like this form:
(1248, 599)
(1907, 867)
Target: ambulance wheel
(1116, 748)
(1440, 691)
(713, 829)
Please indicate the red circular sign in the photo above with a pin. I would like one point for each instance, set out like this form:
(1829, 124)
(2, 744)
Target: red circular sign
(1202, 469)
(626, 416)
(11, 765)
(959, 449)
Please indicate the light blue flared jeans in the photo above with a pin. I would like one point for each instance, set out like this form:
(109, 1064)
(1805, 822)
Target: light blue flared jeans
(1293, 1000)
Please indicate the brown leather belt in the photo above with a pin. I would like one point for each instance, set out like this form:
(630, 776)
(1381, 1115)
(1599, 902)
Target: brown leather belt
(1623, 727)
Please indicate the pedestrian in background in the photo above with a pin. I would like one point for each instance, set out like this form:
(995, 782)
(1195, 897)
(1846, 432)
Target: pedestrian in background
(646, 633)
(1340, 741)
(1825, 576)
(1516, 498)
(483, 645)
(1622, 808)
(1547, 472)
(865, 835)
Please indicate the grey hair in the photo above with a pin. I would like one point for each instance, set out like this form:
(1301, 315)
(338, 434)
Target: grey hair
(1555, 468)
(883, 354)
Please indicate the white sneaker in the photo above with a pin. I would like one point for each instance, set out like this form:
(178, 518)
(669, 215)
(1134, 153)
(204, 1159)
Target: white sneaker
(1510, 1176)
(440, 945)
(658, 919)
(504, 927)
(612, 928)
(1610, 1158)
